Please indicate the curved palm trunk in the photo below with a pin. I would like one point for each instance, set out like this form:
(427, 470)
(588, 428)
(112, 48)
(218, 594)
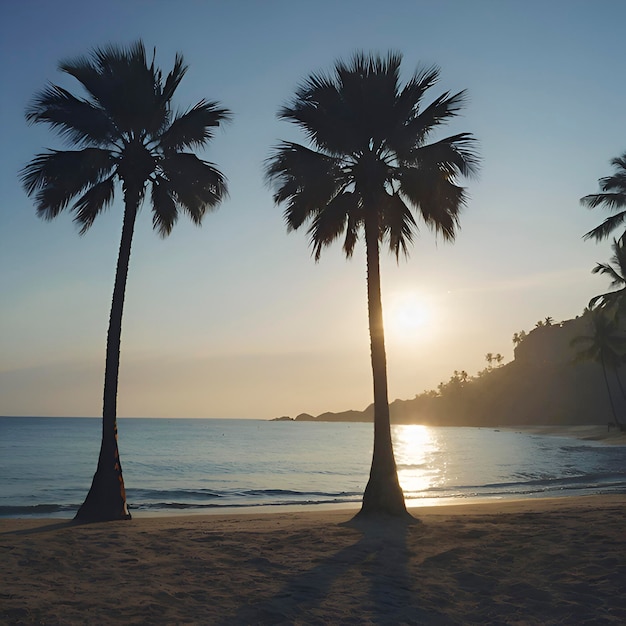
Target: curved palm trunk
(383, 493)
(106, 499)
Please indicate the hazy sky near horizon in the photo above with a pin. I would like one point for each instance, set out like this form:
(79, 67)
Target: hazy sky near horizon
(235, 319)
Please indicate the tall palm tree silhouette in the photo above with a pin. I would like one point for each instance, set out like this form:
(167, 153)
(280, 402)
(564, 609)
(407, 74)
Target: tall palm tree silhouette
(605, 344)
(125, 131)
(613, 197)
(368, 168)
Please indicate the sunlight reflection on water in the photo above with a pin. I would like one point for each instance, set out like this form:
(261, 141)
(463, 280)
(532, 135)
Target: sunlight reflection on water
(418, 457)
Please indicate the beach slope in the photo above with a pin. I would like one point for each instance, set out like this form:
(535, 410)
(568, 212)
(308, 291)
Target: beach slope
(543, 561)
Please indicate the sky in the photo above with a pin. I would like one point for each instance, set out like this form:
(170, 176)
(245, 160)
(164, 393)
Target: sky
(235, 319)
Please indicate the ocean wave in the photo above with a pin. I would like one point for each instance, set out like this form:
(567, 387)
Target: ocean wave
(190, 506)
(36, 510)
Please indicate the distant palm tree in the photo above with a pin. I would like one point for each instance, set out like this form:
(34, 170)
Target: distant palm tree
(519, 337)
(548, 321)
(613, 197)
(617, 273)
(369, 166)
(606, 344)
(125, 130)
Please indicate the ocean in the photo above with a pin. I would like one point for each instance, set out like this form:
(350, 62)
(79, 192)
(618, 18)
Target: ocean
(204, 465)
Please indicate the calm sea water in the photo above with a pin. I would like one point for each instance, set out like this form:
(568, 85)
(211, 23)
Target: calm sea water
(46, 464)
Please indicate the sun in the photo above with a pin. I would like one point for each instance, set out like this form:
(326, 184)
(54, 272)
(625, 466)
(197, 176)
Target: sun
(409, 315)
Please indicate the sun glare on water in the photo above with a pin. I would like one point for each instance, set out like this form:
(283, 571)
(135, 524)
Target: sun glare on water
(417, 452)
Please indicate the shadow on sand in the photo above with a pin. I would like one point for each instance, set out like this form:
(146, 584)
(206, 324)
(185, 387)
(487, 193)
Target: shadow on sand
(378, 560)
(43, 529)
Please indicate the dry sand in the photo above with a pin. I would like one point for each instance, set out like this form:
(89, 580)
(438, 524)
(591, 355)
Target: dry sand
(544, 561)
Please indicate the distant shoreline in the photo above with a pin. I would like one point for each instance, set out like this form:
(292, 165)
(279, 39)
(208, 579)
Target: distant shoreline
(585, 432)
(588, 432)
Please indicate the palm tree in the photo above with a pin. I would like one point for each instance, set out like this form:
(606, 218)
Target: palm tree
(367, 168)
(613, 197)
(519, 337)
(605, 344)
(125, 131)
(617, 273)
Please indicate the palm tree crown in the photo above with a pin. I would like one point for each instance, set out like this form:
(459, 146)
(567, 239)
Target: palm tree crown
(125, 129)
(613, 197)
(370, 155)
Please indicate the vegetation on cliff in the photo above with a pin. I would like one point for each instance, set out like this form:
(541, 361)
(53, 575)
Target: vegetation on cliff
(544, 384)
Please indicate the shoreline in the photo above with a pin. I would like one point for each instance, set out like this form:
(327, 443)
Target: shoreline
(533, 561)
(584, 432)
(592, 433)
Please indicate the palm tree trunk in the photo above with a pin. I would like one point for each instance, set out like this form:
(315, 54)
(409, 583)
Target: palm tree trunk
(383, 493)
(621, 388)
(106, 499)
(608, 389)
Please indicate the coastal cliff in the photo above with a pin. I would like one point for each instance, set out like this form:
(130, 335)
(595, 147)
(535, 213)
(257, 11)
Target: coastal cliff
(542, 385)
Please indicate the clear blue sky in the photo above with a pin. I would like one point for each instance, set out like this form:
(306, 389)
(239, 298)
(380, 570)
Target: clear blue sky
(235, 319)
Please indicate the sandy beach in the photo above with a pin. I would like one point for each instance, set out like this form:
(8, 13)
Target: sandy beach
(543, 561)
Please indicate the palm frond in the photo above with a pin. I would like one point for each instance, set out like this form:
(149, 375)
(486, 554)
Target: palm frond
(607, 227)
(438, 199)
(410, 96)
(55, 177)
(398, 224)
(123, 84)
(350, 108)
(605, 268)
(304, 179)
(323, 116)
(174, 78)
(194, 127)
(440, 111)
(77, 120)
(455, 156)
(369, 89)
(92, 203)
(611, 201)
(354, 224)
(607, 300)
(195, 185)
(329, 223)
(613, 197)
(165, 211)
